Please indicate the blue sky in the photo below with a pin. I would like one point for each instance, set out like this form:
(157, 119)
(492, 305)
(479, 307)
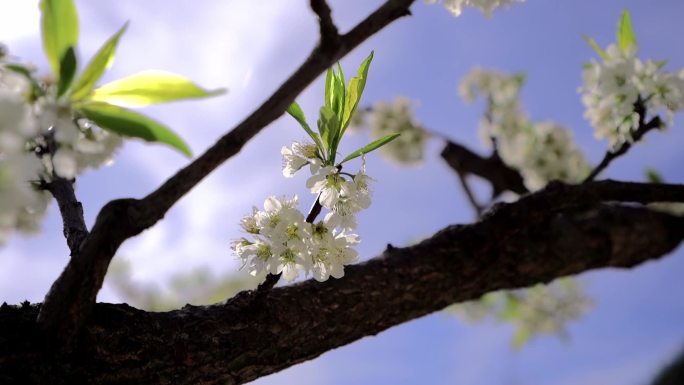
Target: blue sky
(250, 47)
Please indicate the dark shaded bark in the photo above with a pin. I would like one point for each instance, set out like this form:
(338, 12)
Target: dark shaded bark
(247, 338)
(492, 169)
(71, 210)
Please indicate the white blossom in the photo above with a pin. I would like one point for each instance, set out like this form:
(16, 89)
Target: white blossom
(612, 89)
(301, 154)
(486, 6)
(282, 242)
(542, 152)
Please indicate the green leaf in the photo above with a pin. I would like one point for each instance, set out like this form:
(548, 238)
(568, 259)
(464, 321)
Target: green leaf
(653, 176)
(150, 87)
(59, 28)
(328, 126)
(354, 92)
(593, 44)
(296, 112)
(371, 146)
(97, 66)
(626, 38)
(129, 123)
(67, 71)
(338, 94)
(511, 308)
(329, 87)
(521, 337)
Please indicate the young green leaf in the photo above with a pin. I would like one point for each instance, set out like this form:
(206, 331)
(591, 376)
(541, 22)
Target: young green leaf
(59, 28)
(370, 147)
(150, 87)
(626, 38)
(328, 126)
(653, 176)
(296, 112)
(67, 71)
(97, 66)
(329, 87)
(593, 44)
(338, 94)
(354, 92)
(129, 123)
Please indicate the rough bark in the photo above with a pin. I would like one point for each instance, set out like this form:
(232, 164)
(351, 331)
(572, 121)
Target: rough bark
(492, 169)
(246, 338)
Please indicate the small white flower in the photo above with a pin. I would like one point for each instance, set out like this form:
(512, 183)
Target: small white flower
(64, 162)
(330, 185)
(301, 154)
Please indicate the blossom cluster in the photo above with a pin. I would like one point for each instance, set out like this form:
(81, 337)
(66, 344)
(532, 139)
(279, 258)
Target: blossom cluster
(409, 147)
(284, 242)
(542, 309)
(485, 6)
(542, 152)
(40, 139)
(614, 86)
(21, 203)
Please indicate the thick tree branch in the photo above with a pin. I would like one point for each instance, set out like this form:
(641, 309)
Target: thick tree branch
(238, 342)
(71, 297)
(492, 169)
(74, 227)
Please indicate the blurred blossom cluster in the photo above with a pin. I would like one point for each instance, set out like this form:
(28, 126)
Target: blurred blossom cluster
(541, 151)
(620, 81)
(486, 6)
(385, 118)
(40, 139)
(542, 309)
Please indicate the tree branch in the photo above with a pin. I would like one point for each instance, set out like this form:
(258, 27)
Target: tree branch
(492, 169)
(537, 239)
(73, 294)
(328, 30)
(74, 227)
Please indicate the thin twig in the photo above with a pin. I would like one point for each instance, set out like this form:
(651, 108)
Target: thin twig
(492, 169)
(326, 24)
(638, 134)
(469, 193)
